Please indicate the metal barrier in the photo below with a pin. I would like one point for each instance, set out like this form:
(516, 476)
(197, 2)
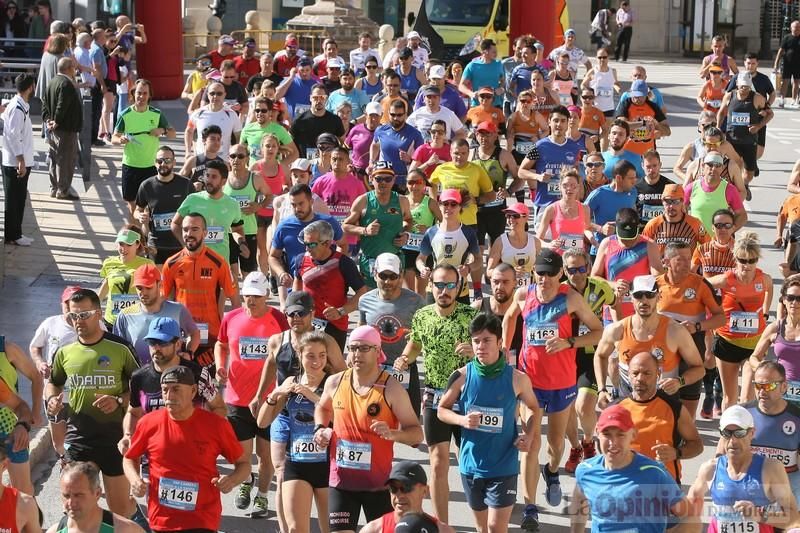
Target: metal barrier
(310, 40)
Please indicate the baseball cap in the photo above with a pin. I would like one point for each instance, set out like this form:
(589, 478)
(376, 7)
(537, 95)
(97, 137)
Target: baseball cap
(736, 415)
(436, 72)
(146, 276)
(614, 416)
(67, 293)
(416, 523)
(163, 329)
(626, 229)
(575, 109)
(128, 236)
(334, 63)
(298, 301)
(181, 375)
(382, 168)
(329, 139)
(387, 261)
(743, 79)
(453, 195)
(548, 262)
(538, 45)
(408, 472)
(374, 108)
(305, 62)
(430, 90)
(638, 88)
(713, 158)
(227, 39)
(486, 90)
(673, 190)
(290, 41)
(519, 208)
(644, 284)
(413, 35)
(487, 125)
(569, 31)
(250, 42)
(405, 52)
(716, 68)
(255, 284)
(301, 164)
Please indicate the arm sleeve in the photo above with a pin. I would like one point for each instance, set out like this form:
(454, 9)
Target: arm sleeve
(120, 125)
(426, 246)
(185, 208)
(163, 122)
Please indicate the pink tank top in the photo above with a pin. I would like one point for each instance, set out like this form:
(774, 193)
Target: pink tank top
(275, 183)
(570, 230)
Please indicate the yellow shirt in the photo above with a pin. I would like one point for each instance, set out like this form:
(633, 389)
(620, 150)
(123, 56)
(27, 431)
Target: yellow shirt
(472, 178)
(197, 81)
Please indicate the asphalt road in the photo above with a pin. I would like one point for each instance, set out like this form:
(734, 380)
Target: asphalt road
(679, 83)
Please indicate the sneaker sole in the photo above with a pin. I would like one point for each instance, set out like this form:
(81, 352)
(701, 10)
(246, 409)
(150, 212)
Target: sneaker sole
(529, 524)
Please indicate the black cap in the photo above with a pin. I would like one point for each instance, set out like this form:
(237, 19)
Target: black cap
(627, 227)
(406, 52)
(549, 262)
(416, 523)
(178, 374)
(408, 472)
(298, 301)
(430, 90)
(328, 138)
(305, 61)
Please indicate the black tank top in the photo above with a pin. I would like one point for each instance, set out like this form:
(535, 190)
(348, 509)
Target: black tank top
(741, 115)
(288, 364)
(200, 166)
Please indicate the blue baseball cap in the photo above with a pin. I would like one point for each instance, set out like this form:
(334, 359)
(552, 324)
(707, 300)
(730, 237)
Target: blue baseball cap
(163, 329)
(639, 88)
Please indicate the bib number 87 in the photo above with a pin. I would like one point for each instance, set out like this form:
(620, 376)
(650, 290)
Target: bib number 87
(350, 455)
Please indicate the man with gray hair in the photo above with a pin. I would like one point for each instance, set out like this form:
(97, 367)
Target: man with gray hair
(327, 276)
(62, 113)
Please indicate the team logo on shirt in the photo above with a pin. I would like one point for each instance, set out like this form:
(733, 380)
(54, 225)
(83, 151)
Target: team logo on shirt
(373, 409)
(658, 353)
(104, 361)
(390, 328)
(789, 427)
(689, 294)
(393, 211)
(759, 287)
(592, 298)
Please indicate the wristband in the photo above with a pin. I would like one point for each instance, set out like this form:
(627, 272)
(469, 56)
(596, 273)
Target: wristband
(273, 402)
(318, 427)
(25, 425)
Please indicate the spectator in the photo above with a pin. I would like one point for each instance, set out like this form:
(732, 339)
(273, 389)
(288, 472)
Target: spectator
(98, 62)
(624, 31)
(39, 25)
(600, 31)
(790, 53)
(12, 24)
(63, 115)
(57, 45)
(129, 34)
(17, 158)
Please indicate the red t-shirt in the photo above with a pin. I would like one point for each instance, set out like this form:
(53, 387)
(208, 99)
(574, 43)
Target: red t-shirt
(183, 461)
(425, 151)
(247, 339)
(217, 58)
(246, 68)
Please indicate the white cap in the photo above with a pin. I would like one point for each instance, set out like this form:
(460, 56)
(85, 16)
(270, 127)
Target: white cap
(301, 164)
(373, 108)
(713, 157)
(644, 283)
(436, 72)
(333, 63)
(744, 79)
(412, 35)
(255, 284)
(736, 415)
(387, 261)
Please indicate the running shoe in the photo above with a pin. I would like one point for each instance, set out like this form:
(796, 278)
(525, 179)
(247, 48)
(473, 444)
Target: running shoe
(575, 457)
(259, 507)
(530, 518)
(243, 498)
(589, 449)
(552, 491)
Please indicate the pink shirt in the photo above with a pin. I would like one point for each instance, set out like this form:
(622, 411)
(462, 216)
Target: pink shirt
(732, 195)
(339, 194)
(359, 138)
(247, 339)
(425, 151)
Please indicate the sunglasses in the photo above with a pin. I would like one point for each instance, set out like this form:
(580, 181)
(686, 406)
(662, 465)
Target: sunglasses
(715, 73)
(371, 67)
(515, 216)
(723, 225)
(388, 276)
(445, 285)
(587, 97)
(383, 179)
(156, 342)
(602, 57)
(413, 182)
(83, 315)
(237, 156)
(397, 115)
(713, 165)
(543, 273)
(791, 298)
(769, 386)
(484, 96)
(712, 143)
(161, 160)
(450, 204)
(312, 245)
(405, 489)
(575, 270)
(746, 261)
(360, 348)
(671, 201)
(595, 164)
(298, 314)
(738, 433)
(261, 111)
(644, 294)
(215, 93)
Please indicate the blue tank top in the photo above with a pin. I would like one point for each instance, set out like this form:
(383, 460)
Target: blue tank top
(726, 491)
(489, 451)
(777, 436)
(371, 90)
(300, 411)
(552, 157)
(409, 83)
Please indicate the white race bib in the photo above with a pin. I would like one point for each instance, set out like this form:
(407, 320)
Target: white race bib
(538, 334)
(311, 153)
(178, 494)
(565, 99)
(319, 324)
(414, 240)
(253, 348)
(301, 108)
(215, 234)
(523, 279)
(203, 327)
(650, 212)
(523, 147)
(571, 240)
(243, 200)
(604, 92)
(793, 391)
(162, 221)
(305, 450)
(743, 322)
(120, 302)
(740, 119)
(491, 419)
(402, 376)
(714, 103)
(553, 188)
(732, 521)
(353, 455)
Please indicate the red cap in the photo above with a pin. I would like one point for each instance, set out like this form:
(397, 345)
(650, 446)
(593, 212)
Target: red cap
(487, 125)
(146, 276)
(486, 90)
(291, 41)
(69, 291)
(575, 109)
(615, 416)
(519, 208)
(452, 195)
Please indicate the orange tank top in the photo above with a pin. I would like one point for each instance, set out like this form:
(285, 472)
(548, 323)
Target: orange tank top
(360, 459)
(629, 346)
(8, 510)
(743, 304)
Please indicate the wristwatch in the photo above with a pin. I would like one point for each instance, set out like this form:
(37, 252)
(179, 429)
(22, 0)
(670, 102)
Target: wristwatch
(318, 427)
(571, 341)
(119, 399)
(342, 311)
(24, 424)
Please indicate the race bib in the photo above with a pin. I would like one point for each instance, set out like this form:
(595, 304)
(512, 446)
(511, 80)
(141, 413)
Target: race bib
(215, 234)
(565, 99)
(414, 240)
(538, 334)
(402, 376)
(305, 450)
(491, 419)
(650, 212)
(523, 279)
(743, 322)
(243, 200)
(553, 188)
(120, 302)
(732, 521)
(178, 494)
(714, 103)
(571, 240)
(319, 324)
(203, 327)
(253, 348)
(792, 391)
(435, 396)
(301, 108)
(311, 153)
(583, 329)
(740, 119)
(787, 458)
(523, 147)
(604, 92)
(353, 455)
(162, 221)
(494, 203)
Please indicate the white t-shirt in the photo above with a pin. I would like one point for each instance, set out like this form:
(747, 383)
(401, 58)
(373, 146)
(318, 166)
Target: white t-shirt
(358, 58)
(577, 57)
(228, 121)
(423, 118)
(51, 335)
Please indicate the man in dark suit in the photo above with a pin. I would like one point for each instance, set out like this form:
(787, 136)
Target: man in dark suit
(62, 113)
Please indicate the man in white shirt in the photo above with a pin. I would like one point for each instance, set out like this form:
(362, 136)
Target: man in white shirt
(420, 54)
(214, 113)
(423, 118)
(358, 57)
(624, 30)
(17, 158)
(577, 57)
